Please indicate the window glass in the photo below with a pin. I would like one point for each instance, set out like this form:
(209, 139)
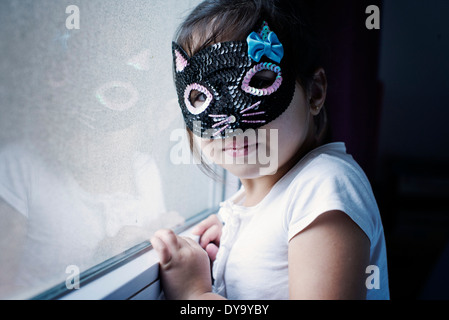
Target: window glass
(91, 161)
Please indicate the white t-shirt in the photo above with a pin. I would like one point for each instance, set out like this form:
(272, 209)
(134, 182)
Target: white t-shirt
(252, 261)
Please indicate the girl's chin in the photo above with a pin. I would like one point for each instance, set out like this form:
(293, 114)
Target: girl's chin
(244, 171)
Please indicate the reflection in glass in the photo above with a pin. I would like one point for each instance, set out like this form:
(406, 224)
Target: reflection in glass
(85, 121)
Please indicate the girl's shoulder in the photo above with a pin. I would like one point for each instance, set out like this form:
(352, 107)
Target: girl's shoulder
(329, 179)
(327, 162)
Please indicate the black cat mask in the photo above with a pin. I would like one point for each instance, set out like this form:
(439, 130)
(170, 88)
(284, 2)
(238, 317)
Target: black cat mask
(233, 85)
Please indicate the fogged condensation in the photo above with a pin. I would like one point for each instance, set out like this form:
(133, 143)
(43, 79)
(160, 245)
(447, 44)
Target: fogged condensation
(85, 121)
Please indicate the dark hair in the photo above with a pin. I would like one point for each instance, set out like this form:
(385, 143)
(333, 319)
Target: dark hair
(215, 21)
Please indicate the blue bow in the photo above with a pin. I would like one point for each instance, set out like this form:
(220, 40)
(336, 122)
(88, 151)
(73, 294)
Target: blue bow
(271, 47)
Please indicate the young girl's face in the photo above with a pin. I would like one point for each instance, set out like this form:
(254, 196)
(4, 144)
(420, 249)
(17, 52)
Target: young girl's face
(273, 146)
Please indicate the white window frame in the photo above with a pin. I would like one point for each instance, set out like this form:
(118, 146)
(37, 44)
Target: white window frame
(134, 274)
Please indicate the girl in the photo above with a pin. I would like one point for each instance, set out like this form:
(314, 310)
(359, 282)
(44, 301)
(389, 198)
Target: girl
(310, 228)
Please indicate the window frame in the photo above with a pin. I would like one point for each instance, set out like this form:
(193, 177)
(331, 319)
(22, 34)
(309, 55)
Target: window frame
(134, 273)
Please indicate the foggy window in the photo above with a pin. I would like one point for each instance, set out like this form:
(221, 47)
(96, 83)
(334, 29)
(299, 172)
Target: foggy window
(87, 108)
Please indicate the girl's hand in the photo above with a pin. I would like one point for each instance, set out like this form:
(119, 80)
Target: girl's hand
(209, 231)
(184, 266)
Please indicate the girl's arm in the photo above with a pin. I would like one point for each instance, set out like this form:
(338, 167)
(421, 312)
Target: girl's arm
(328, 259)
(184, 267)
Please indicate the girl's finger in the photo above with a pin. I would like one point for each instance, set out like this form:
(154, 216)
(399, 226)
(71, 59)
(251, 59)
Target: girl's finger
(210, 235)
(200, 228)
(169, 238)
(162, 250)
(190, 242)
(212, 250)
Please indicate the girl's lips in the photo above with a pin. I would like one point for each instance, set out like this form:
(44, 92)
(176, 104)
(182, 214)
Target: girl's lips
(234, 145)
(240, 151)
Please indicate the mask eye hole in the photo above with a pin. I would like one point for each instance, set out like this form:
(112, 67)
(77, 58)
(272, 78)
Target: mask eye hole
(263, 79)
(197, 98)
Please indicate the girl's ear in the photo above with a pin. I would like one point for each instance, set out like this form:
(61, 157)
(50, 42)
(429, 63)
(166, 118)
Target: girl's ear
(318, 91)
(180, 56)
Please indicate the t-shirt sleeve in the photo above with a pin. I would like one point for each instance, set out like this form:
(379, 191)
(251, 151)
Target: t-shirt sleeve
(328, 186)
(14, 184)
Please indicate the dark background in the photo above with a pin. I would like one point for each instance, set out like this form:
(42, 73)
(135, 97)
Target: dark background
(388, 100)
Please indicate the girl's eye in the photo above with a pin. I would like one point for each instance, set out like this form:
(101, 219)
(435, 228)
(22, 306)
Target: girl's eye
(263, 79)
(197, 98)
